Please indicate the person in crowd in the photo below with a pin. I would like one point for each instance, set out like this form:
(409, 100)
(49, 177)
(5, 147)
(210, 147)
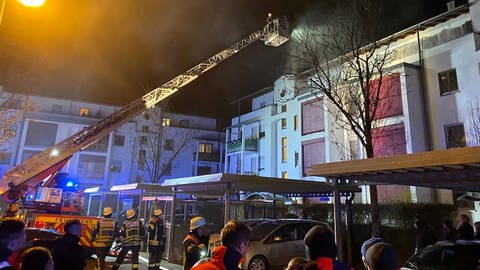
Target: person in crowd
(12, 238)
(449, 231)
(12, 211)
(296, 263)
(381, 256)
(195, 244)
(465, 231)
(103, 236)
(368, 243)
(477, 230)
(132, 232)
(67, 253)
(321, 250)
(36, 258)
(235, 238)
(156, 240)
(425, 235)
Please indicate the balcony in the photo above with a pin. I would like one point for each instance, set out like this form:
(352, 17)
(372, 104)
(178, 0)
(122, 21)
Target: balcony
(236, 145)
(208, 157)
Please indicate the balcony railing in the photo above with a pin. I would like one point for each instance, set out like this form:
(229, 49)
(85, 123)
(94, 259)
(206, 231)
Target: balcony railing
(236, 145)
(210, 157)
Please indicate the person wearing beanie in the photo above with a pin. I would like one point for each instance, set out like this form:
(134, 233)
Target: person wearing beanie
(368, 243)
(381, 256)
(320, 248)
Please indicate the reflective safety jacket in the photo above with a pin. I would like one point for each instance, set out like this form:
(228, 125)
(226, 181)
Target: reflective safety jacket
(156, 233)
(105, 232)
(132, 232)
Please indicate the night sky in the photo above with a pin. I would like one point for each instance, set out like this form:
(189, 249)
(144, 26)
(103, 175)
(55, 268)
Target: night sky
(114, 51)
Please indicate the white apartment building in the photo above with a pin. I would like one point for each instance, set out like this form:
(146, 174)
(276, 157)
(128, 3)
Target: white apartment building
(437, 72)
(126, 154)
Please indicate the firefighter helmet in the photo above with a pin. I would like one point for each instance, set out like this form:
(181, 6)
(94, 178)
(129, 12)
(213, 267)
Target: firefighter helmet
(197, 222)
(130, 213)
(107, 211)
(157, 212)
(13, 207)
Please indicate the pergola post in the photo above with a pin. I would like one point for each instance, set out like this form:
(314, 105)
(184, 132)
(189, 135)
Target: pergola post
(171, 235)
(337, 211)
(227, 203)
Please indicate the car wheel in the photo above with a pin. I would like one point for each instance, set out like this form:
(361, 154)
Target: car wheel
(258, 263)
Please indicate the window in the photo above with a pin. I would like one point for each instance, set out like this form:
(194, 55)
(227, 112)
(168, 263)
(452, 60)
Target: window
(168, 145)
(205, 148)
(284, 149)
(284, 175)
(142, 158)
(296, 158)
(313, 153)
(262, 104)
(143, 140)
(167, 169)
(455, 136)
(166, 122)
(99, 146)
(312, 116)
(145, 128)
(389, 140)
(83, 111)
(353, 149)
(284, 107)
(447, 81)
(184, 123)
(91, 167)
(41, 134)
(5, 157)
(116, 166)
(261, 134)
(295, 122)
(119, 140)
(57, 108)
(285, 233)
(284, 123)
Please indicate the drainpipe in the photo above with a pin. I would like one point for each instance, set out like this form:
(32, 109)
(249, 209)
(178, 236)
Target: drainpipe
(426, 102)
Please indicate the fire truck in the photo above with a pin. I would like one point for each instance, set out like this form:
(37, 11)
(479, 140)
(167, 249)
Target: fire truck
(35, 180)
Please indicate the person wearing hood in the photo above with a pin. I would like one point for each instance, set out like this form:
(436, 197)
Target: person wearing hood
(235, 238)
(67, 253)
(195, 244)
(12, 238)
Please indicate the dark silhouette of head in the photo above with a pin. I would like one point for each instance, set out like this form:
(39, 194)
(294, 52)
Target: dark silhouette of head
(320, 242)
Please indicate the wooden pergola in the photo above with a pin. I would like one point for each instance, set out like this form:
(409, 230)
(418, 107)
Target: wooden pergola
(455, 169)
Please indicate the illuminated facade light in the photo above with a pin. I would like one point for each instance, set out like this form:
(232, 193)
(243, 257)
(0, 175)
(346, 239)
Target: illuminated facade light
(54, 153)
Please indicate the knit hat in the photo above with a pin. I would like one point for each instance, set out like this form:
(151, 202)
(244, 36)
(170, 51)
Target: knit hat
(320, 241)
(382, 256)
(368, 243)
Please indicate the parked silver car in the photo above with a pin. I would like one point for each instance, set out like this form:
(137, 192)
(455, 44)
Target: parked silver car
(274, 242)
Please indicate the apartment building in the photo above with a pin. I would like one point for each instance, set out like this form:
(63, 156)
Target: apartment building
(434, 76)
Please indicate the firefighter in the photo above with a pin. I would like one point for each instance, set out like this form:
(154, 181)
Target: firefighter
(132, 232)
(12, 211)
(104, 234)
(195, 245)
(156, 240)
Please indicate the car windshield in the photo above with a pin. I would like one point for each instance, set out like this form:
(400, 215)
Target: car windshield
(262, 230)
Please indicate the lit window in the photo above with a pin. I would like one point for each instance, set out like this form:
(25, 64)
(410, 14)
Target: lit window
(284, 175)
(284, 149)
(5, 157)
(10, 133)
(455, 136)
(284, 107)
(168, 145)
(119, 140)
(447, 81)
(295, 122)
(284, 123)
(205, 148)
(83, 112)
(166, 122)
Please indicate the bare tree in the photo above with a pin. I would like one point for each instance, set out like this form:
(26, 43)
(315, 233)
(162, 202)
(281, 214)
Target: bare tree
(473, 122)
(159, 153)
(12, 108)
(347, 67)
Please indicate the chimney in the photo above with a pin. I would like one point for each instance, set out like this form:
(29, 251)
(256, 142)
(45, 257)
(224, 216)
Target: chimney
(450, 5)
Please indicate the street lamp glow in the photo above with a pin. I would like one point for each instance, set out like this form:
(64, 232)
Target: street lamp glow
(54, 153)
(32, 3)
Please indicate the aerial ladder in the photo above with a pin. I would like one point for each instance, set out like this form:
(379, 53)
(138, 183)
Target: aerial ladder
(40, 169)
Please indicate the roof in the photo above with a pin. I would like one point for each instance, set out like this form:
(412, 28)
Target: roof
(456, 169)
(218, 184)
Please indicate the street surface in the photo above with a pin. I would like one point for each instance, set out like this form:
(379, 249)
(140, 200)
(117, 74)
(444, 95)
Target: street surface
(143, 261)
